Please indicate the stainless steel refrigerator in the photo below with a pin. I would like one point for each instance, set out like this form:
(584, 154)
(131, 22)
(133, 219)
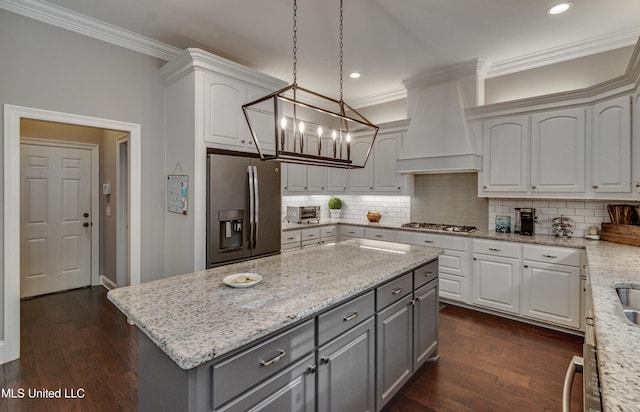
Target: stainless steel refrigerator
(243, 208)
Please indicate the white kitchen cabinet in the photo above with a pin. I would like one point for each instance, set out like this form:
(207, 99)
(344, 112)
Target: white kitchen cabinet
(505, 155)
(350, 232)
(385, 154)
(379, 234)
(454, 265)
(295, 178)
(496, 275)
(611, 146)
(290, 240)
(557, 156)
(361, 180)
(337, 179)
(328, 234)
(310, 237)
(551, 289)
(225, 126)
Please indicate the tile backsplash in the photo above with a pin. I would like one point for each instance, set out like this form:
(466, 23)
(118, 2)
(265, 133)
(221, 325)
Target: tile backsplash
(585, 213)
(395, 209)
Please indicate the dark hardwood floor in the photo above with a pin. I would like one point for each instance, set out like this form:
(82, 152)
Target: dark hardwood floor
(79, 340)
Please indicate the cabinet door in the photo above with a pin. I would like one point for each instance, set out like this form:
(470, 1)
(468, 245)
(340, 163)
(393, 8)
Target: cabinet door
(223, 113)
(337, 179)
(346, 371)
(611, 146)
(296, 178)
(551, 293)
(385, 154)
(361, 180)
(558, 143)
(291, 390)
(505, 155)
(425, 321)
(394, 353)
(496, 282)
(263, 123)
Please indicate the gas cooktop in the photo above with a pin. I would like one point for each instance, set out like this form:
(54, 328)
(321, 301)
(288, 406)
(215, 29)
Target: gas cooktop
(440, 226)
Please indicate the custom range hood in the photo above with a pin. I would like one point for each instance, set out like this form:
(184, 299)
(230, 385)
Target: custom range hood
(439, 139)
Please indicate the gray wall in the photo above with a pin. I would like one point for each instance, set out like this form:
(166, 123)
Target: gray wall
(50, 68)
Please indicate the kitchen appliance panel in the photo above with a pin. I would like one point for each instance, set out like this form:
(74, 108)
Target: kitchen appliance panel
(268, 229)
(243, 208)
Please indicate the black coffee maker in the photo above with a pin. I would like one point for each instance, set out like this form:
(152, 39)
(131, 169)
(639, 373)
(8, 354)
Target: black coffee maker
(526, 221)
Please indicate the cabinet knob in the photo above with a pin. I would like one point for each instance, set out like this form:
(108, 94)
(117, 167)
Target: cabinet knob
(242, 141)
(324, 360)
(370, 187)
(595, 186)
(533, 187)
(637, 184)
(526, 266)
(398, 187)
(311, 369)
(484, 187)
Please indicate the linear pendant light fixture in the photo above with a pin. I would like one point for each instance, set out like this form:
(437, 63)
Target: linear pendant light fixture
(307, 127)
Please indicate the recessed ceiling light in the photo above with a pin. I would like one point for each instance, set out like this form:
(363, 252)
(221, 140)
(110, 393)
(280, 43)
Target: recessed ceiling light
(559, 8)
(354, 75)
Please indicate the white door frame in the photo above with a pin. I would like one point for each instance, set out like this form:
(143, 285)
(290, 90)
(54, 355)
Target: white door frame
(95, 198)
(10, 346)
(122, 250)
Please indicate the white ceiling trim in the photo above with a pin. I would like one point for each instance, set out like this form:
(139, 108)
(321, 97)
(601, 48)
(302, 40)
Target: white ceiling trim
(79, 23)
(566, 52)
(379, 98)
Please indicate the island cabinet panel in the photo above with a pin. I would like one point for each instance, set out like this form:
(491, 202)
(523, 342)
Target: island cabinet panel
(345, 317)
(346, 371)
(241, 372)
(425, 318)
(293, 390)
(395, 344)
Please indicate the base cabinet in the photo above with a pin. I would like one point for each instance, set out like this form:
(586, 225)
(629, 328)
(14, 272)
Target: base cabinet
(346, 371)
(496, 283)
(425, 321)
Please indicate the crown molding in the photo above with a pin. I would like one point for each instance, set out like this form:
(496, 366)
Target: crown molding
(380, 98)
(472, 67)
(566, 52)
(60, 17)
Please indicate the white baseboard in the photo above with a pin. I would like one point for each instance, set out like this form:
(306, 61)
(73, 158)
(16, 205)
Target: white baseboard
(107, 283)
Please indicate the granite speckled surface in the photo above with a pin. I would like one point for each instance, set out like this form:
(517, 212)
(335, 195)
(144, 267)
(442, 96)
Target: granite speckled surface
(618, 340)
(194, 317)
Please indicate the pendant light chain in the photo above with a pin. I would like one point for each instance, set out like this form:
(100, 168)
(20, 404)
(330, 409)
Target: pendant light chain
(295, 42)
(341, 54)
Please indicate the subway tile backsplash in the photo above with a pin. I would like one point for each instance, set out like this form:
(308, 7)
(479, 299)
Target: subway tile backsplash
(395, 209)
(584, 213)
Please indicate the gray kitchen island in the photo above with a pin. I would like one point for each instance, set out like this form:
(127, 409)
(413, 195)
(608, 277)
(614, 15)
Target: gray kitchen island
(338, 327)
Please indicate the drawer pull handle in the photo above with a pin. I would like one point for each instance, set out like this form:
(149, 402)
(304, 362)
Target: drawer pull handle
(352, 233)
(550, 256)
(378, 235)
(351, 317)
(396, 291)
(290, 238)
(428, 241)
(274, 360)
(494, 249)
(428, 274)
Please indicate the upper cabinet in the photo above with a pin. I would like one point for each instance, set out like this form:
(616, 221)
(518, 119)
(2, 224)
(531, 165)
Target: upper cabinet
(636, 141)
(580, 152)
(611, 146)
(505, 155)
(558, 144)
(225, 126)
(385, 176)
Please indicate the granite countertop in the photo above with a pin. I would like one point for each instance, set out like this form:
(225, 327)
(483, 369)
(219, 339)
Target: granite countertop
(195, 318)
(618, 340)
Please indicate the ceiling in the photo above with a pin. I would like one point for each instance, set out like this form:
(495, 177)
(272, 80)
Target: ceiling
(385, 40)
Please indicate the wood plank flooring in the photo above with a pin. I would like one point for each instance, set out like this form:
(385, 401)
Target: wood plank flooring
(79, 340)
(492, 364)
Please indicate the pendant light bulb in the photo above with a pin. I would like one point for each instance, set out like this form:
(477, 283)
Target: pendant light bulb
(301, 127)
(283, 122)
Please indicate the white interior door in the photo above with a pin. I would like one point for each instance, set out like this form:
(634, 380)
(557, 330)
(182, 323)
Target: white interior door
(55, 219)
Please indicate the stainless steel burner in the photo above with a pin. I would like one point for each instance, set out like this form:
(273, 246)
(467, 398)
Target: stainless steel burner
(440, 226)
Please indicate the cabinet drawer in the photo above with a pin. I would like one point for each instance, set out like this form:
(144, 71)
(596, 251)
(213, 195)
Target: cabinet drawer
(290, 237)
(425, 274)
(287, 247)
(235, 375)
(393, 291)
(504, 249)
(326, 231)
(310, 243)
(549, 254)
(311, 233)
(379, 234)
(344, 317)
(352, 231)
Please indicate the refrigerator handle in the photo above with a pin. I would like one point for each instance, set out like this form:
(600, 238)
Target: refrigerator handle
(257, 205)
(251, 205)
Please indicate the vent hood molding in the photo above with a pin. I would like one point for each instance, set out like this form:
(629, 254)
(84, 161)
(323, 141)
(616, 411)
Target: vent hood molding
(439, 138)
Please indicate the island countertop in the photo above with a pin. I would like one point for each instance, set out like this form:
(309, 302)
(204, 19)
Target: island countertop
(195, 317)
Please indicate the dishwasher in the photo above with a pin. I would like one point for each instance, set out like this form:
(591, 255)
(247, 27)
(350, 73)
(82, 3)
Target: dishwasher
(587, 365)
